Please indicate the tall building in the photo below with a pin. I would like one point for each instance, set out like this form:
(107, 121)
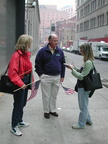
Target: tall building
(49, 15)
(70, 9)
(92, 20)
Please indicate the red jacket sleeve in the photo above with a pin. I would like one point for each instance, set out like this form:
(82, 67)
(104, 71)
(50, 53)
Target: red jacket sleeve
(13, 70)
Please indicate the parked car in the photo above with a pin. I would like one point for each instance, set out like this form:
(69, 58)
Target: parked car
(63, 48)
(67, 49)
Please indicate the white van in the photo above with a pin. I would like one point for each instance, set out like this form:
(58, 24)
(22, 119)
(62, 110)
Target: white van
(100, 49)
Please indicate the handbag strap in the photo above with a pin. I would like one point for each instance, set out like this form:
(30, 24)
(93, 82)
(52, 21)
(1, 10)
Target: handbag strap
(95, 71)
(8, 67)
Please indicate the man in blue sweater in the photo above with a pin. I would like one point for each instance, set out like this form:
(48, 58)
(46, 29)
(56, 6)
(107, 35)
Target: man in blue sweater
(49, 65)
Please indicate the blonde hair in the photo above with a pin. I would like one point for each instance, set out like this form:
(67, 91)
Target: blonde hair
(23, 42)
(87, 50)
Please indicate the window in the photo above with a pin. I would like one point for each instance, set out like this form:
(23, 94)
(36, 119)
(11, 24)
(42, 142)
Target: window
(81, 27)
(95, 3)
(91, 6)
(86, 25)
(88, 8)
(100, 20)
(107, 18)
(78, 15)
(81, 13)
(92, 23)
(103, 2)
(99, 3)
(77, 28)
(78, 2)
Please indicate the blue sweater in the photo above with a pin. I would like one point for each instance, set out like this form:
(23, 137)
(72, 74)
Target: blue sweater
(48, 63)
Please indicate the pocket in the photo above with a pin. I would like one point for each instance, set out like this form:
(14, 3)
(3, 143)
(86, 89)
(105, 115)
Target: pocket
(41, 76)
(44, 76)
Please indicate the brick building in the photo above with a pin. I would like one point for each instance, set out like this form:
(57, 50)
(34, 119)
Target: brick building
(66, 31)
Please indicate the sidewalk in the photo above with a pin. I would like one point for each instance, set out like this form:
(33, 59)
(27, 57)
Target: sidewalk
(57, 130)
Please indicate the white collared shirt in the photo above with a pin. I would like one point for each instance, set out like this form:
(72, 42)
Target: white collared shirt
(52, 49)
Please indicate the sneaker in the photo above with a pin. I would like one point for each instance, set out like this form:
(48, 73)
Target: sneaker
(89, 123)
(77, 127)
(23, 124)
(16, 131)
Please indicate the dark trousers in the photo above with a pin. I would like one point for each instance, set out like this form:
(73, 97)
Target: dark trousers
(20, 99)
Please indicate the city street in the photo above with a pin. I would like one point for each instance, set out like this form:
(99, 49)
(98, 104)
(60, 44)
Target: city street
(58, 130)
(75, 22)
(100, 65)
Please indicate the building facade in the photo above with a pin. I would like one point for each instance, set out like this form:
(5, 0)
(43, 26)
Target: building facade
(92, 20)
(32, 22)
(71, 10)
(49, 15)
(12, 25)
(66, 32)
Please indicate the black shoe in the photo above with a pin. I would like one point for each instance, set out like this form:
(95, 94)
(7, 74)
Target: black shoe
(54, 114)
(47, 115)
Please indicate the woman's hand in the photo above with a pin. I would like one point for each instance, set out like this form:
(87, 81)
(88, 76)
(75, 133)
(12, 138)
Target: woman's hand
(24, 86)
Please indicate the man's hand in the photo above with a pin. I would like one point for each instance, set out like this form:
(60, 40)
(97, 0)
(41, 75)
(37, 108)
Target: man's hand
(61, 79)
(69, 67)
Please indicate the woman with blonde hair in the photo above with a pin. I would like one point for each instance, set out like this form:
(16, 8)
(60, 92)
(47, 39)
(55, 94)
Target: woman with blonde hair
(83, 95)
(19, 72)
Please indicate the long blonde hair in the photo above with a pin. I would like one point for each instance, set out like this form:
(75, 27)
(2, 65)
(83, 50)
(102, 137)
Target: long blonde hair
(23, 42)
(88, 53)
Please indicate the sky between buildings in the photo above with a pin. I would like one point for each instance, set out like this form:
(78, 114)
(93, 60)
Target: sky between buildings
(59, 3)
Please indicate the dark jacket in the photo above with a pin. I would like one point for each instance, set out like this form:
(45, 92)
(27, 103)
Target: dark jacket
(48, 63)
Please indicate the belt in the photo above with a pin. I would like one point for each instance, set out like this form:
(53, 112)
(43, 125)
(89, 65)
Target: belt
(52, 75)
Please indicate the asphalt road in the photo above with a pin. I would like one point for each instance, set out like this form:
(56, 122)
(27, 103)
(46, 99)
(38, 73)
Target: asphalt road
(100, 65)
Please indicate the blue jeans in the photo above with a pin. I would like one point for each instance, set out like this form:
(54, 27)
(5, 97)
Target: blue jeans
(83, 100)
(20, 99)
